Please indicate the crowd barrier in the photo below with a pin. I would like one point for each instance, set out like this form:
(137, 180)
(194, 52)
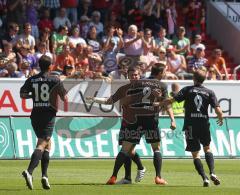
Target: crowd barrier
(97, 137)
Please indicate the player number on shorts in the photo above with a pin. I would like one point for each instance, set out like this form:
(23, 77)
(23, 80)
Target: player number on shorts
(44, 92)
(146, 94)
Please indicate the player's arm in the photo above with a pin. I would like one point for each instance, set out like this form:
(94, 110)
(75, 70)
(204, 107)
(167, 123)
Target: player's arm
(119, 94)
(100, 100)
(219, 113)
(25, 91)
(214, 103)
(169, 108)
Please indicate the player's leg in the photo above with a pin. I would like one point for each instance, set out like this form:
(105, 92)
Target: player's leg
(120, 159)
(36, 156)
(157, 162)
(205, 140)
(210, 162)
(141, 170)
(44, 166)
(199, 167)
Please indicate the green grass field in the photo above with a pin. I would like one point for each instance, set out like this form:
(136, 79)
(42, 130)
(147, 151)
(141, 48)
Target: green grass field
(89, 177)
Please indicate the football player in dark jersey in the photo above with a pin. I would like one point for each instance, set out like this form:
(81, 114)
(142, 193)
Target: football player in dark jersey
(44, 90)
(196, 122)
(141, 118)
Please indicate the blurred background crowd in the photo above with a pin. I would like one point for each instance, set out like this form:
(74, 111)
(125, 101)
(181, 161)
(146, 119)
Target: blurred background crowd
(101, 39)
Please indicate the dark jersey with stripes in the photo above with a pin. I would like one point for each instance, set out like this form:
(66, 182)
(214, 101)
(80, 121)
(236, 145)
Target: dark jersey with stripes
(44, 90)
(197, 100)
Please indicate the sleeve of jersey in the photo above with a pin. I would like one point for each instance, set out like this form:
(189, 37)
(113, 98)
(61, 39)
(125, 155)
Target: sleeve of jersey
(61, 90)
(120, 93)
(26, 88)
(181, 95)
(213, 100)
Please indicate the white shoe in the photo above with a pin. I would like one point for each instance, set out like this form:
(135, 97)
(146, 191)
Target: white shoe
(124, 181)
(28, 178)
(45, 183)
(206, 182)
(215, 179)
(140, 175)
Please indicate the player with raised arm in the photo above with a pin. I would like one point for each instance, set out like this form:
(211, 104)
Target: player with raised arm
(125, 95)
(196, 122)
(44, 90)
(146, 120)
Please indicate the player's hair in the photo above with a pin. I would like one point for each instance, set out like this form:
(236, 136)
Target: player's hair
(199, 76)
(157, 68)
(44, 63)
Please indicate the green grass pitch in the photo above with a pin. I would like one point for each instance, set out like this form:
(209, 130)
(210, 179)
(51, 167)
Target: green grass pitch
(82, 176)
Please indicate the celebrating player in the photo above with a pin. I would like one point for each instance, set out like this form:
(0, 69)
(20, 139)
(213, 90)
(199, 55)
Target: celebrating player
(196, 122)
(146, 119)
(44, 90)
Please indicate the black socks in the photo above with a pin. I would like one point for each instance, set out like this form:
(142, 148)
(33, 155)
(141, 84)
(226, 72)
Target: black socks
(36, 156)
(157, 161)
(44, 163)
(199, 167)
(210, 161)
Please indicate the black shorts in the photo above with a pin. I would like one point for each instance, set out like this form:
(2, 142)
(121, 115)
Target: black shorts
(145, 125)
(43, 126)
(197, 135)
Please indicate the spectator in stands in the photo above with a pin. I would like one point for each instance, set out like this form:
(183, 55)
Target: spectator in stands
(171, 18)
(12, 70)
(27, 56)
(197, 61)
(181, 42)
(84, 26)
(59, 39)
(71, 7)
(45, 21)
(94, 58)
(121, 73)
(11, 35)
(53, 5)
(93, 40)
(45, 38)
(8, 53)
(64, 59)
(24, 70)
(218, 63)
(26, 38)
(161, 52)
(61, 19)
(134, 43)
(193, 14)
(96, 16)
(103, 6)
(32, 16)
(100, 73)
(15, 12)
(112, 46)
(113, 34)
(161, 40)
(85, 8)
(211, 74)
(176, 64)
(135, 14)
(74, 39)
(77, 53)
(42, 50)
(197, 43)
(150, 42)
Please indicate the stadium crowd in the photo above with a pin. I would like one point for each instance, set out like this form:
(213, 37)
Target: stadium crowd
(101, 39)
